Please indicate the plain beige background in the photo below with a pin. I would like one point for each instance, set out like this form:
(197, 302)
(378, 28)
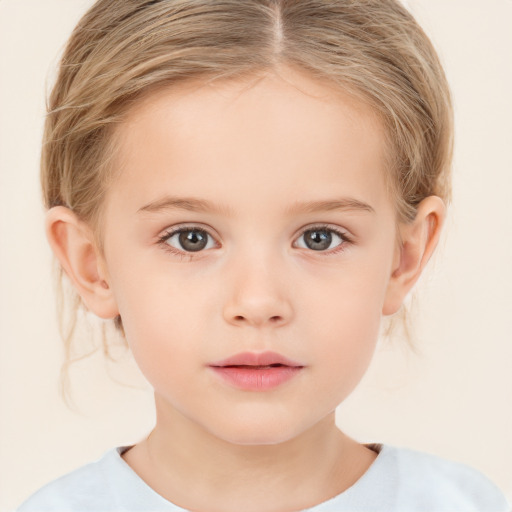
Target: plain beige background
(454, 399)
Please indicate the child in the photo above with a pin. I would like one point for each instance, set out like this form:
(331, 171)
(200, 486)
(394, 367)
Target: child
(246, 188)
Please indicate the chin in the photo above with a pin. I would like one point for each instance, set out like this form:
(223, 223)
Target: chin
(259, 432)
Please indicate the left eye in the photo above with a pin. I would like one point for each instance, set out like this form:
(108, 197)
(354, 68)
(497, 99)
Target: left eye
(321, 238)
(188, 240)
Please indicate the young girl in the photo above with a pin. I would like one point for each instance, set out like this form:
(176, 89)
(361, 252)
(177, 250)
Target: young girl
(247, 188)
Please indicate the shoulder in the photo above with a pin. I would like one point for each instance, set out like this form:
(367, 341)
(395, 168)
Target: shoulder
(107, 484)
(70, 492)
(439, 484)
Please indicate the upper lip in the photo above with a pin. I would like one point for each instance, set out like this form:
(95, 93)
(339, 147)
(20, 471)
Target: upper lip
(256, 359)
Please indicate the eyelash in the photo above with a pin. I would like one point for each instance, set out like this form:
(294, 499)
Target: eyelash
(183, 254)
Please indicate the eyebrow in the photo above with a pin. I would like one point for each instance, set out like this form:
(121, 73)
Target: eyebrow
(344, 203)
(193, 204)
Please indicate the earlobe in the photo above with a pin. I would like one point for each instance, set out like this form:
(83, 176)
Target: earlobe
(73, 244)
(419, 239)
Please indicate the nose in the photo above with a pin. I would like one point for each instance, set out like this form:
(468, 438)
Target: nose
(259, 296)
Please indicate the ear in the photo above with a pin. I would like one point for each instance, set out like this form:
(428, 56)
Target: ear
(73, 244)
(419, 238)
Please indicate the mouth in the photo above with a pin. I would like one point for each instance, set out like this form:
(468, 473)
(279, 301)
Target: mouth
(251, 371)
(254, 367)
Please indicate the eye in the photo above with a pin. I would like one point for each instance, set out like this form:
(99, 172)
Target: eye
(321, 238)
(188, 240)
(185, 241)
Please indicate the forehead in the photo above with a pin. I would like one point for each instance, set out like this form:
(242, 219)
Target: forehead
(272, 132)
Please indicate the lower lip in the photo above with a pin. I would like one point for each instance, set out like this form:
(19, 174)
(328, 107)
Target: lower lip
(256, 379)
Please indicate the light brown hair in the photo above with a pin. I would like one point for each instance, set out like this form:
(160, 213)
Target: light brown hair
(123, 49)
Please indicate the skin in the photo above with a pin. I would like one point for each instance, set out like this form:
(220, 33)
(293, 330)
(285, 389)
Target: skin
(255, 149)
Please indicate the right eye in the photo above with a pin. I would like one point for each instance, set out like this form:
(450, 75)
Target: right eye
(186, 240)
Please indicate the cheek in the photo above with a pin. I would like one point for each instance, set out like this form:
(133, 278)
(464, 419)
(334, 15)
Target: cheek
(155, 314)
(348, 326)
(346, 322)
(167, 318)
(343, 357)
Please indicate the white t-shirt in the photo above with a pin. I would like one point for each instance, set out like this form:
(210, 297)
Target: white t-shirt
(399, 480)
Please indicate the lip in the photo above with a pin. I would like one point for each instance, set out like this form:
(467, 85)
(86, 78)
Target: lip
(256, 359)
(252, 371)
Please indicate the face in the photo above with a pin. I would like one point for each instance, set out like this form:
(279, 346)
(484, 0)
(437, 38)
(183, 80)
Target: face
(249, 218)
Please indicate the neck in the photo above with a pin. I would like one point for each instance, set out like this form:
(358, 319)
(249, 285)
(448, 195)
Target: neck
(198, 471)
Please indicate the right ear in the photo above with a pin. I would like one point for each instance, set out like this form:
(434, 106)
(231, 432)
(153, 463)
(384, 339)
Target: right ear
(73, 244)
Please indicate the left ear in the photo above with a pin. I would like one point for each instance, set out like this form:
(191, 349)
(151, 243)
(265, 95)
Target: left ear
(419, 238)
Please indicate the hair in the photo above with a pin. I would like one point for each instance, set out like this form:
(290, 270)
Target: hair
(123, 49)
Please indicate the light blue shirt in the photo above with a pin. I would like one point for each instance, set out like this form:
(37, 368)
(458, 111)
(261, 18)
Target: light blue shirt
(399, 480)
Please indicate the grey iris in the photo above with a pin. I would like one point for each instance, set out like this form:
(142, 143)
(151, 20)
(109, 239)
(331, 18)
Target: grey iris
(317, 239)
